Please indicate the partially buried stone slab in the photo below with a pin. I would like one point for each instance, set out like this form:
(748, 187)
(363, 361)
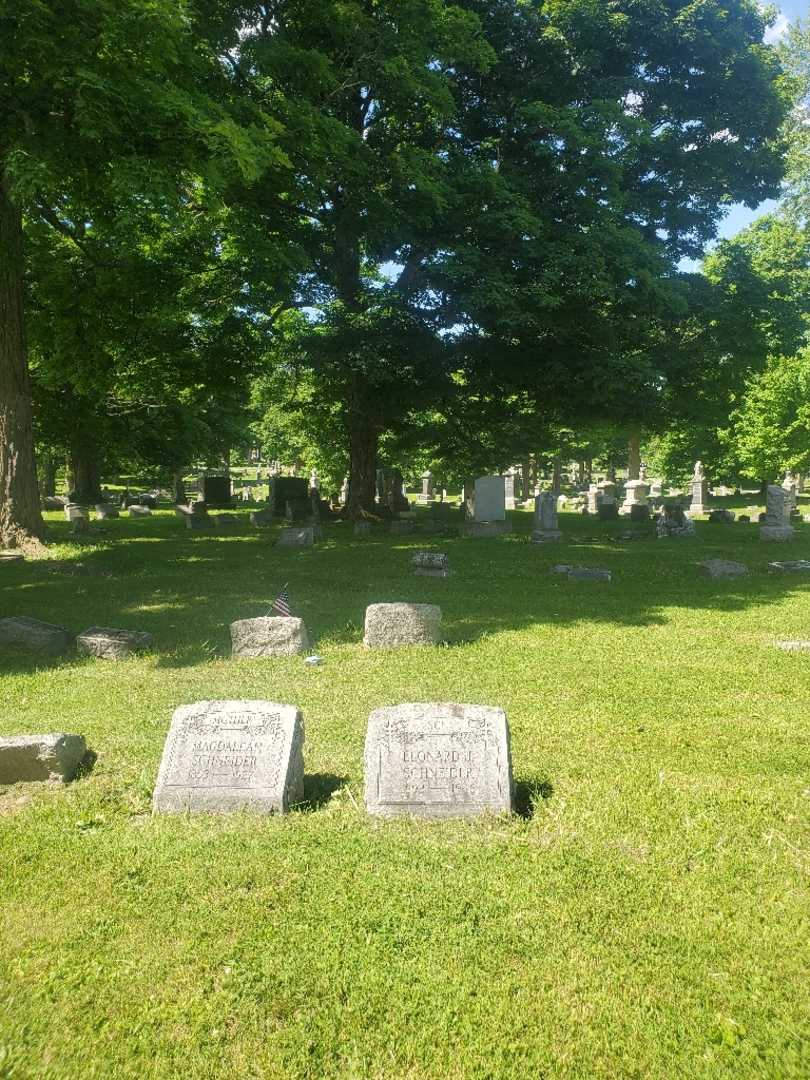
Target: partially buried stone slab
(109, 644)
(139, 511)
(261, 518)
(34, 636)
(291, 537)
(431, 564)
(793, 646)
(269, 635)
(222, 756)
(40, 757)
(438, 760)
(588, 573)
(790, 566)
(723, 568)
(392, 625)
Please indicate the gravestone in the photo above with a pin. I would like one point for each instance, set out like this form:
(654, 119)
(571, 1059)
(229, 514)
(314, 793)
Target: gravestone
(509, 488)
(296, 537)
(362, 528)
(224, 521)
(673, 523)
(699, 490)
(105, 510)
(593, 496)
(110, 644)
(34, 636)
(284, 489)
(640, 513)
(216, 490)
(438, 760)
(261, 518)
(489, 499)
(431, 564)
(136, 510)
(393, 625)
(790, 566)
(426, 495)
(269, 635)
(588, 573)
(222, 756)
(74, 512)
(723, 568)
(721, 517)
(483, 530)
(401, 528)
(26, 758)
(635, 494)
(545, 529)
(776, 525)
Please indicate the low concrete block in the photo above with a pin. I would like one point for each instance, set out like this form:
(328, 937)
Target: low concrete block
(723, 568)
(392, 625)
(24, 758)
(34, 636)
(107, 643)
(269, 635)
(292, 537)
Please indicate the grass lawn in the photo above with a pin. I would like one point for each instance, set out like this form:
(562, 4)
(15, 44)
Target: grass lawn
(647, 914)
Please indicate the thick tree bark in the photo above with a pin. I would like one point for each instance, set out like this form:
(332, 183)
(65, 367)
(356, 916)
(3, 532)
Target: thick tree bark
(634, 455)
(556, 476)
(48, 466)
(20, 515)
(363, 439)
(85, 476)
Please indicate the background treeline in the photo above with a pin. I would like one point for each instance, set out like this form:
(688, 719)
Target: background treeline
(408, 230)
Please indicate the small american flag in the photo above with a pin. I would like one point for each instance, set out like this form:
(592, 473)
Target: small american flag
(281, 604)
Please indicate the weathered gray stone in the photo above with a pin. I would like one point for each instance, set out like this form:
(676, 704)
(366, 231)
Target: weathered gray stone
(291, 537)
(776, 534)
(40, 757)
(79, 527)
(269, 635)
(34, 636)
(545, 519)
(110, 644)
(139, 511)
(262, 518)
(483, 530)
(438, 760)
(401, 528)
(778, 504)
(73, 511)
(489, 499)
(431, 560)
(222, 756)
(723, 568)
(224, 521)
(105, 510)
(721, 517)
(793, 646)
(588, 573)
(790, 566)
(392, 625)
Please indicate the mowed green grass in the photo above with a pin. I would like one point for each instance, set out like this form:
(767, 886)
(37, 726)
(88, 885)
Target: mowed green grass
(647, 914)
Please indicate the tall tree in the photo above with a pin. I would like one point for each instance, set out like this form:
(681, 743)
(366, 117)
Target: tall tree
(105, 106)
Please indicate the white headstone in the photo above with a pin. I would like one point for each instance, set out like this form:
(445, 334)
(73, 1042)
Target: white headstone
(490, 499)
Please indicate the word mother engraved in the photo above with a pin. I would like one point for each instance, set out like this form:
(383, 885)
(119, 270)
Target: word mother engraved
(232, 755)
(438, 760)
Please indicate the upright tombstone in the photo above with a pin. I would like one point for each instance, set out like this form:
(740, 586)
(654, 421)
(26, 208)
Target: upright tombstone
(509, 480)
(344, 491)
(438, 760)
(546, 528)
(699, 490)
(426, 495)
(216, 490)
(489, 499)
(635, 494)
(292, 490)
(314, 481)
(776, 526)
(222, 756)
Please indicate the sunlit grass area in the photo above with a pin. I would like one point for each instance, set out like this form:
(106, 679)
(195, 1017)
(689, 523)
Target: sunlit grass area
(645, 913)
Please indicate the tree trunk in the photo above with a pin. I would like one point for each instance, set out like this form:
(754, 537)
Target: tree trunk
(634, 455)
(556, 476)
(20, 515)
(48, 467)
(85, 482)
(180, 496)
(362, 465)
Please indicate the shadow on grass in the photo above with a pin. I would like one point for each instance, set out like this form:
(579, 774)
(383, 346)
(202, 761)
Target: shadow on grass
(528, 794)
(319, 789)
(186, 588)
(86, 765)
